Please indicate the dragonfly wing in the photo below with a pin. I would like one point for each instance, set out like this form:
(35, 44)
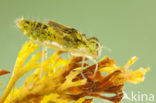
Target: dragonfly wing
(70, 37)
(61, 29)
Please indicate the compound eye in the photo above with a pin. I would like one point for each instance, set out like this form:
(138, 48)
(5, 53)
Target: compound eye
(97, 45)
(27, 22)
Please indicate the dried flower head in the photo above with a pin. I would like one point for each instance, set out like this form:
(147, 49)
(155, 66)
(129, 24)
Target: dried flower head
(62, 83)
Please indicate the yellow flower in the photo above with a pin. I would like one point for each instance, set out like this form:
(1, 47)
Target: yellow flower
(61, 82)
(135, 77)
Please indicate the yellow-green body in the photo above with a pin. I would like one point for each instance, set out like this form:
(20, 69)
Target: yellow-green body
(60, 37)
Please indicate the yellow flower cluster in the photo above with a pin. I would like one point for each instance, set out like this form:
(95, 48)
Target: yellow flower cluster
(62, 83)
(130, 76)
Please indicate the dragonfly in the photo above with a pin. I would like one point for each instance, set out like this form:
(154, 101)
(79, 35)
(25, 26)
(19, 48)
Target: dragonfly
(60, 37)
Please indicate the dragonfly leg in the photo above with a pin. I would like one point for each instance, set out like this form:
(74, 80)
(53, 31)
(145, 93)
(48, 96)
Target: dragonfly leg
(96, 68)
(83, 61)
(45, 52)
(42, 60)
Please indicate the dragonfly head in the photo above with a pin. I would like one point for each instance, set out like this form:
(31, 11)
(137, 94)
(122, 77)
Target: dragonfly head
(95, 47)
